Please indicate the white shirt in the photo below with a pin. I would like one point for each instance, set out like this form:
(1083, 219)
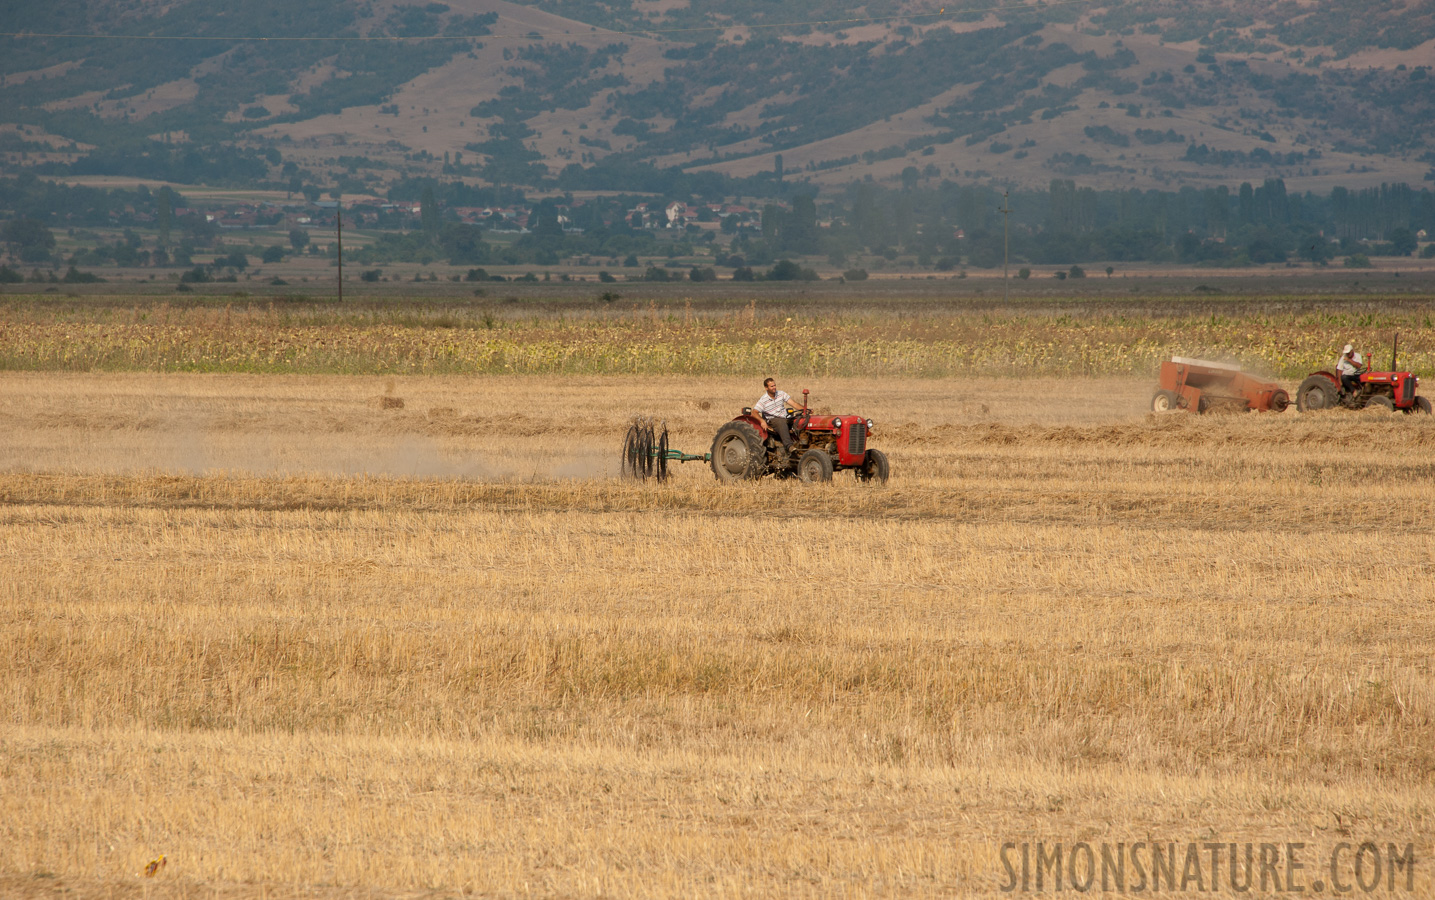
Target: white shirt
(1349, 366)
(772, 406)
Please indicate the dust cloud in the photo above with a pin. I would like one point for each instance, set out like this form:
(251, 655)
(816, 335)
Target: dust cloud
(184, 444)
(523, 429)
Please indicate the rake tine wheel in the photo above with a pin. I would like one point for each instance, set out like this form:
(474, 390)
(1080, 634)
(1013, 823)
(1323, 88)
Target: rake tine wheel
(630, 452)
(646, 451)
(662, 454)
(626, 458)
(645, 442)
(638, 449)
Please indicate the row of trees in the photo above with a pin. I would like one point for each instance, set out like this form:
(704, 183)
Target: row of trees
(943, 228)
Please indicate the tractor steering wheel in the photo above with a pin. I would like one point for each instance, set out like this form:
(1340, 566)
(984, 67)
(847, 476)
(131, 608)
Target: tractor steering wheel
(800, 420)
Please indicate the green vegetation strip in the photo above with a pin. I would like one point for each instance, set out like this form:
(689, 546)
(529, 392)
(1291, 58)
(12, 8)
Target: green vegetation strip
(319, 339)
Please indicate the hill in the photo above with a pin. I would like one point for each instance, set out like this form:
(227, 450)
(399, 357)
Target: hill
(352, 96)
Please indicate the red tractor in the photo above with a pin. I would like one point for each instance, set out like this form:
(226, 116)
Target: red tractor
(1390, 390)
(745, 448)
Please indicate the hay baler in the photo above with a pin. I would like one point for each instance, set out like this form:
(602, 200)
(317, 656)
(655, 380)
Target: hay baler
(1203, 385)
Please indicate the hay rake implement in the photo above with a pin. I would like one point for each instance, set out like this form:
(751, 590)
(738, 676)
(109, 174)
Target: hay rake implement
(646, 453)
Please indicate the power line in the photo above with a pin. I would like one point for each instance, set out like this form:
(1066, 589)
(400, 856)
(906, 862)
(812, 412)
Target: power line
(646, 34)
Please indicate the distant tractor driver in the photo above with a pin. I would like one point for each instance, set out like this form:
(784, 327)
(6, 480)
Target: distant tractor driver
(1349, 367)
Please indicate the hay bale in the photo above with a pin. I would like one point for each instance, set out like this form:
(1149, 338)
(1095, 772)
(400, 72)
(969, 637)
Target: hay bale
(387, 402)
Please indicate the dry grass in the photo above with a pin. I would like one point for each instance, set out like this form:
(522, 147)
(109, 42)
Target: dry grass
(244, 631)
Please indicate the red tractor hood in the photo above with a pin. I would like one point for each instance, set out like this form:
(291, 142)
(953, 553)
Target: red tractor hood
(829, 423)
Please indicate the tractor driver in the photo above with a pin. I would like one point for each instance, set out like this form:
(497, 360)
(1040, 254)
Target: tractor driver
(772, 406)
(1348, 367)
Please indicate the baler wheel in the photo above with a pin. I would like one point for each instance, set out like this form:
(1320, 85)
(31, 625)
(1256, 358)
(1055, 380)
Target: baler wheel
(815, 466)
(1163, 401)
(1280, 401)
(737, 453)
(1316, 392)
(1380, 402)
(874, 468)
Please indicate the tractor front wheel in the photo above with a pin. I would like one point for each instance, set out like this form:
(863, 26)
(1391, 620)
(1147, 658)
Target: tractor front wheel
(814, 466)
(1380, 402)
(1316, 392)
(1163, 401)
(1422, 405)
(737, 453)
(874, 468)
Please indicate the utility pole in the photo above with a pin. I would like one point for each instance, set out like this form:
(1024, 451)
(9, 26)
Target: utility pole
(339, 226)
(1006, 241)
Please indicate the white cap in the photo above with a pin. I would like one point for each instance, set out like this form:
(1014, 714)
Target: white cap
(1348, 348)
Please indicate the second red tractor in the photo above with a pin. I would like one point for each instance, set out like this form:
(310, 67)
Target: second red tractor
(1390, 390)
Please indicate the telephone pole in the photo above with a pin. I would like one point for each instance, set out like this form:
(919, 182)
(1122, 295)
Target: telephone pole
(1006, 242)
(339, 229)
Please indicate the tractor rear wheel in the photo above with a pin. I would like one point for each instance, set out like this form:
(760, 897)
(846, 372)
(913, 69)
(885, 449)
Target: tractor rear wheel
(1422, 405)
(814, 466)
(737, 453)
(1163, 401)
(1316, 392)
(874, 468)
(1380, 402)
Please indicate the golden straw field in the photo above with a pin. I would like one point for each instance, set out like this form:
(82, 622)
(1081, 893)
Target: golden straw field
(317, 634)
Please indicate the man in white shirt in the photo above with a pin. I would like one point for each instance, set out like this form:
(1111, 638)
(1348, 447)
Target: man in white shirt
(772, 406)
(1349, 367)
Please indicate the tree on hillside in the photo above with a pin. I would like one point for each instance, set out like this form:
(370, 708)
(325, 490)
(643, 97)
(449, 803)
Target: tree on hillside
(428, 211)
(787, 270)
(544, 220)
(794, 230)
(29, 239)
(1247, 203)
(1402, 241)
(164, 213)
(1315, 248)
(463, 244)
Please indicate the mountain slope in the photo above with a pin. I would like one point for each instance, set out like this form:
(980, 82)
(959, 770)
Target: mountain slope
(355, 94)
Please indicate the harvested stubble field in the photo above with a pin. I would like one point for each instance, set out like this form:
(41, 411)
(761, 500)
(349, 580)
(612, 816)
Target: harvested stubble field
(306, 642)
